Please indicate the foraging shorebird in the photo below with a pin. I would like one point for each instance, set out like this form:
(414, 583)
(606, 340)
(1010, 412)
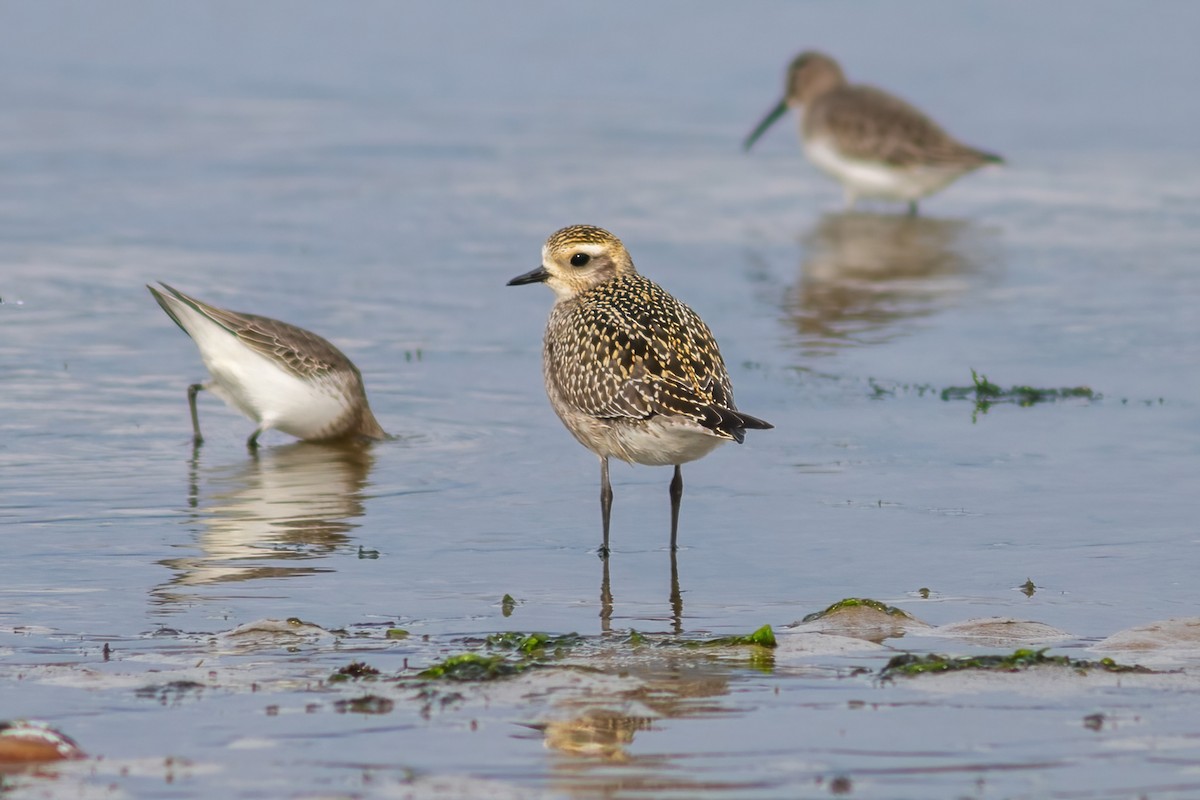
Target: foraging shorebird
(278, 375)
(875, 144)
(632, 372)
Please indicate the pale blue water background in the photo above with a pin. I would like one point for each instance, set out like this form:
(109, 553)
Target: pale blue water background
(376, 172)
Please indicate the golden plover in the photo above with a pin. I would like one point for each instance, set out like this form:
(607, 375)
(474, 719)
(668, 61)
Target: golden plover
(875, 144)
(631, 371)
(278, 375)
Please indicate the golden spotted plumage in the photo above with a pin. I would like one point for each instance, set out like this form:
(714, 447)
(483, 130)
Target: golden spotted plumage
(632, 372)
(628, 350)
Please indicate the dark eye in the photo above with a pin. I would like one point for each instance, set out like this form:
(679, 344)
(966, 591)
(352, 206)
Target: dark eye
(580, 259)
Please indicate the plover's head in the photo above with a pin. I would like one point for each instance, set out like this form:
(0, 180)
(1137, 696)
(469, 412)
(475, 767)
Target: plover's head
(577, 258)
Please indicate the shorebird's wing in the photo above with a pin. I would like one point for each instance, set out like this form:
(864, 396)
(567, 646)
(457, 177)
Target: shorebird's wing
(868, 124)
(660, 360)
(301, 352)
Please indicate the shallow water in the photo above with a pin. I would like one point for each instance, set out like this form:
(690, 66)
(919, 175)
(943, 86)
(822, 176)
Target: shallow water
(376, 174)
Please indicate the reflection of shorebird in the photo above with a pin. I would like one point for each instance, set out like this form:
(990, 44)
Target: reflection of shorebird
(863, 273)
(631, 371)
(276, 374)
(596, 733)
(295, 502)
(598, 724)
(676, 598)
(874, 144)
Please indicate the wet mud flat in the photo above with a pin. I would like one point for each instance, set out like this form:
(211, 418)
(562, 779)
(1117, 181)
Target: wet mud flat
(847, 702)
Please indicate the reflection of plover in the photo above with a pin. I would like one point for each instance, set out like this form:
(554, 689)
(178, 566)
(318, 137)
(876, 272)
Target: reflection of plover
(875, 144)
(631, 371)
(278, 375)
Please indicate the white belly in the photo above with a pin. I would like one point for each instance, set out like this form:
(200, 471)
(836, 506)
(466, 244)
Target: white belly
(876, 179)
(662, 441)
(272, 396)
(657, 442)
(258, 387)
(864, 178)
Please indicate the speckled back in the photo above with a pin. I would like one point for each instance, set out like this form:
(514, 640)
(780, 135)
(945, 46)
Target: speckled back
(628, 349)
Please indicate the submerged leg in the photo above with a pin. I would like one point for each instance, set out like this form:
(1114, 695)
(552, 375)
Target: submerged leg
(605, 503)
(676, 597)
(196, 437)
(912, 208)
(252, 442)
(194, 476)
(676, 497)
(606, 600)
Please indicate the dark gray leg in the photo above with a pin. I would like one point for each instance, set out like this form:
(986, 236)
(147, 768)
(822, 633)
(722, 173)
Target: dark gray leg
(912, 208)
(252, 442)
(676, 497)
(196, 437)
(605, 503)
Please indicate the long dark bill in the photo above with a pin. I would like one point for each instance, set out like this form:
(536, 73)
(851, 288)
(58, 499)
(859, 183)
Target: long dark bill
(538, 275)
(774, 114)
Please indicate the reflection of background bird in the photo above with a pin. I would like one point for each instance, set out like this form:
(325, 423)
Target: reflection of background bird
(863, 274)
(295, 502)
(875, 144)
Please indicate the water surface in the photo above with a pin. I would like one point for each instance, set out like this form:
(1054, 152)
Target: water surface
(376, 174)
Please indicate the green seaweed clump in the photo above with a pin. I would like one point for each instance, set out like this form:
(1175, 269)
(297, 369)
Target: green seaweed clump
(985, 394)
(534, 645)
(353, 671)
(1018, 660)
(507, 605)
(859, 602)
(763, 637)
(471, 667)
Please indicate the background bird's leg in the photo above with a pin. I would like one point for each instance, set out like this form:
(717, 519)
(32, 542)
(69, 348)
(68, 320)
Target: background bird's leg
(605, 503)
(851, 198)
(676, 497)
(912, 208)
(196, 437)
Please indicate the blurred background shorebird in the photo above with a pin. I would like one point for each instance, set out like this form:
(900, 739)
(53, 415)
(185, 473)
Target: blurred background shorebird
(631, 371)
(875, 144)
(278, 375)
